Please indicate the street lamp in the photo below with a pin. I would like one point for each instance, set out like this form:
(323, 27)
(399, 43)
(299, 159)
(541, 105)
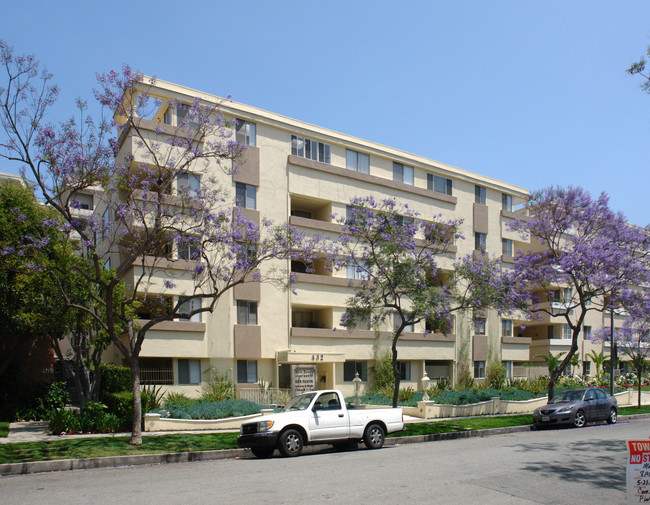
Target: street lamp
(357, 383)
(425, 385)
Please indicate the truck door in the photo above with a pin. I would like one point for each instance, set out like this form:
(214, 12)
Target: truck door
(328, 419)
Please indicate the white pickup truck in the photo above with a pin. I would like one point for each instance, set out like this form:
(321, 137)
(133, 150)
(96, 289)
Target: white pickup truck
(318, 417)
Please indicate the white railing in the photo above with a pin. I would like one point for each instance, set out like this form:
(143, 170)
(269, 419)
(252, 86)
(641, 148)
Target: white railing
(268, 396)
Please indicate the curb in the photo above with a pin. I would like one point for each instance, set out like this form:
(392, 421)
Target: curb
(60, 465)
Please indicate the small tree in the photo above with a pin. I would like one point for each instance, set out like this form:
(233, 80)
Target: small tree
(598, 359)
(399, 281)
(584, 257)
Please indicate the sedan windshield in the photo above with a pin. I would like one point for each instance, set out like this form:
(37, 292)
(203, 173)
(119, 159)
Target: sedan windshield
(299, 402)
(569, 396)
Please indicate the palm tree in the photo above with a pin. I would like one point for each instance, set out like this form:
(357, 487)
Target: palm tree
(598, 360)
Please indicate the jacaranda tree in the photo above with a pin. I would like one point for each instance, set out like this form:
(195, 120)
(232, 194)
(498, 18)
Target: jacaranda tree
(150, 219)
(406, 274)
(584, 257)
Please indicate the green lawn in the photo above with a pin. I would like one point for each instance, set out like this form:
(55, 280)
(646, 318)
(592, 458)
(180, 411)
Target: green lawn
(628, 411)
(113, 446)
(465, 424)
(4, 429)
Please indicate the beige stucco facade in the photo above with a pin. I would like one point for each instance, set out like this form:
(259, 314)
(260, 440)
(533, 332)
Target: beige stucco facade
(302, 326)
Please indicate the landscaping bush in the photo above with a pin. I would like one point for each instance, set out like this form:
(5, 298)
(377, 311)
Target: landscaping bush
(121, 404)
(114, 379)
(46, 397)
(495, 374)
(91, 418)
(383, 374)
(195, 409)
(220, 387)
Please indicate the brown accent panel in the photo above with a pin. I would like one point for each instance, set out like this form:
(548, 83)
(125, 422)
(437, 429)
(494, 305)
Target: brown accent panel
(315, 224)
(250, 291)
(516, 340)
(480, 348)
(248, 169)
(507, 259)
(253, 215)
(373, 179)
(514, 215)
(480, 218)
(248, 341)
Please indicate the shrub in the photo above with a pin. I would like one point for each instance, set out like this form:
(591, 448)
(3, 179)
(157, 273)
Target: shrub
(121, 404)
(383, 375)
(495, 374)
(65, 421)
(173, 397)
(571, 382)
(465, 379)
(155, 395)
(114, 379)
(195, 409)
(90, 418)
(220, 387)
(45, 399)
(405, 394)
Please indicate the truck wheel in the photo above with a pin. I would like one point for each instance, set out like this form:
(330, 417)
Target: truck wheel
(290, 443)
(374, 437)
(262, 452)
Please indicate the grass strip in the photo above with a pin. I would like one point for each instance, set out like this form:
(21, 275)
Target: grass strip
(4, 429)
(628, 411)
(113, 446)
(465, 424)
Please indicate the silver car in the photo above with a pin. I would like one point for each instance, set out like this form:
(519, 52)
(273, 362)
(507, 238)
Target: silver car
(577, 407)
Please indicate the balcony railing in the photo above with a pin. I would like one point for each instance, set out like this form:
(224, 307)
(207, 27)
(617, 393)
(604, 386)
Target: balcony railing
(269, 396)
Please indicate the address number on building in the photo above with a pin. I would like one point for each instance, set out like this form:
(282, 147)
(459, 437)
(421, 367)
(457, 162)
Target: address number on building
(318, 357)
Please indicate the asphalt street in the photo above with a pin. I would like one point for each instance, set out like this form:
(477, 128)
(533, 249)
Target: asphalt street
(572, 466)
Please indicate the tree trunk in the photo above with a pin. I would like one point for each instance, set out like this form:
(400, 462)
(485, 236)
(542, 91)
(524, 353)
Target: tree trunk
(136, 430)
(639, 373)
(396, 374)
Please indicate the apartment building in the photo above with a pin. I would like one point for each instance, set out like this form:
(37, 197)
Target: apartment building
(304, 174)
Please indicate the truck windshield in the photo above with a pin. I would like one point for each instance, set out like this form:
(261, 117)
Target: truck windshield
(299, 402)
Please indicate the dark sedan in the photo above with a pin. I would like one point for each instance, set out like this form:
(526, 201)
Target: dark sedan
(577, 407)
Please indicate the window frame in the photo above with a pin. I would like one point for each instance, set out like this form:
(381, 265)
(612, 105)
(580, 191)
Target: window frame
(245, 132)
(440, 184)
(247, 368)
(353, 161)
(507, 247)
(247, 312)
(480, 323)
(480, 241)
(311, 149)
(403, 173)
(479, 369)
(190, 373)
(353, 366)
(506, 202)
(245, 196)
(480, 194)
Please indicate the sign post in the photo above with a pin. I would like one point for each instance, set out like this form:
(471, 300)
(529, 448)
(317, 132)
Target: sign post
(303, 379)
(638, 471)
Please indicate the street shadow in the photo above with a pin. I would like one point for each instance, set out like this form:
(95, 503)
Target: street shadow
(596, 462)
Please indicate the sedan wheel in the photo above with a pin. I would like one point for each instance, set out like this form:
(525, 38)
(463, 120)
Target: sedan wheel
(580, 420)
(613, 416)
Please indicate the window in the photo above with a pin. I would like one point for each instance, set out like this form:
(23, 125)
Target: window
(188, 248)
(310, 149)
(479, 369)
(302, 318)
(439, 184)
(189, 305)
(480, 241)
(508, 365)
(246, 196)
(566, 332)
(506, 327)
(480, 324)
(587, 332)
(350, 368)
(358, 162)
(506, 202)
(403, 220)
(245, 132)
(403, 173)
(301, 213)
(189, 371)
(357, 272)
(246, 312)
(480, 194)
(397, 321)
(186, 117)
(188, 184)
(506, 247)
(81, 201)
(586, 367)
(106, 223)
(404, 370)
(167, 116)
(328, 401)
(246, 371)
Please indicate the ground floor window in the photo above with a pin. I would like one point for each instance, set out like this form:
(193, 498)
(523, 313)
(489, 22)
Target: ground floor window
(479, 369)
(508, 365)
(246, 371)
(156, 371)
(189, 371)
(586, 367)
(350, 368)
(404, 370)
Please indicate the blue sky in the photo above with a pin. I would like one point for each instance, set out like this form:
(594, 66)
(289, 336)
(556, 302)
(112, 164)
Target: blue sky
(533, 93)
